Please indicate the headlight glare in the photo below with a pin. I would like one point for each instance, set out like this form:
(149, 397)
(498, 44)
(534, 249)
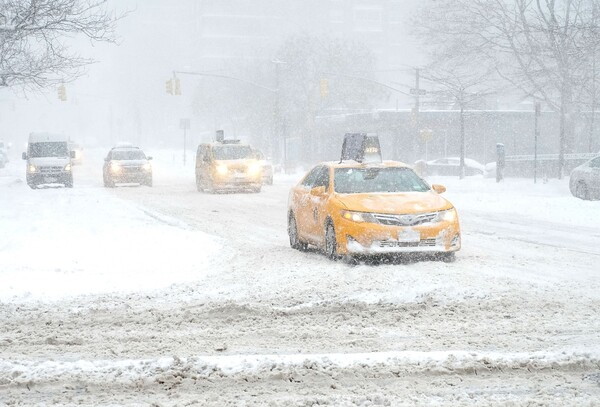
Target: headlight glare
(358, 217)
(254, 168)
(147, 167)
(68, 167)
(448, 215)
(32, 168)
(221, 169)
(115, 167)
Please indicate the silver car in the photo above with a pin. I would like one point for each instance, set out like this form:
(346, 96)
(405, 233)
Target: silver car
(585, 180)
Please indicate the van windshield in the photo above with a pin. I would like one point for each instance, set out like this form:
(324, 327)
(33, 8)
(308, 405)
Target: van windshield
(49, 149)
(233, 152)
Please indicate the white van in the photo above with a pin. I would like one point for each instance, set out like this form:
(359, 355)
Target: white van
(48, 160)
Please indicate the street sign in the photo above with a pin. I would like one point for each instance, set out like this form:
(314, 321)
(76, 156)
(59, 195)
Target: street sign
(420, 92)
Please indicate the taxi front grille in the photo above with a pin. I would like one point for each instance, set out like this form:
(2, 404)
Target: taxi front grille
(405, 220)
(394, 243)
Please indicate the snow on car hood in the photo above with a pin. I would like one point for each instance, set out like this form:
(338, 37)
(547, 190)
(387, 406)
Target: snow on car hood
(405, 202)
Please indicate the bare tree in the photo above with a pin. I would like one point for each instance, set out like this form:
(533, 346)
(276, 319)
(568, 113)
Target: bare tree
(461, 84)
(541, 47)
(34, 36)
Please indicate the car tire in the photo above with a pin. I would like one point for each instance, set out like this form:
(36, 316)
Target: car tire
(448, 257)
(330, 242)
(295, 241)
(270, 180)
(109, 183)
(148, 182)
(69, 183)
(581, 191)
(256, 189)
(32, 186)
(199, 184)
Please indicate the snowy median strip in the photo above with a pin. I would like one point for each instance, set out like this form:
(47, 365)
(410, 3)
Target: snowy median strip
(283, 366)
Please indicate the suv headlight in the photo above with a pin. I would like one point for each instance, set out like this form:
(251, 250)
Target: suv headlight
(147, 167)
(358, 217)
(67, 167)
(31, 168)
(115, 167)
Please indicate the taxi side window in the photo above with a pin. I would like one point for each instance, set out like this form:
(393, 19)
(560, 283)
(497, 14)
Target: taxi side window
(322, 178)
(311, 177)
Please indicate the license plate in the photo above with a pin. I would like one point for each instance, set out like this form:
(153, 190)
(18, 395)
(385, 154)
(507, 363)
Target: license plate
(409, 236)
(240, 175)
(50, 179)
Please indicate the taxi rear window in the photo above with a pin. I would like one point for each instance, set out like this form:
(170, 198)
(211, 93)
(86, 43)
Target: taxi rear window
(365, 180)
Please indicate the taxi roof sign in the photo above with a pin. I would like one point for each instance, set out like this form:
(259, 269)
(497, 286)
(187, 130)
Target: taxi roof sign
(361, 147)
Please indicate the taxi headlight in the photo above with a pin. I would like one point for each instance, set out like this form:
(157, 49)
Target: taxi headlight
(221, 169)
(147, 167)
(253, 168)
(115, 167)
(67, 167)
(32, 168)
(358, 217)
(448, 215)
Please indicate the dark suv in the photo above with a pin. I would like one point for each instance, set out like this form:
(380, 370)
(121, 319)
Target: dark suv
(126, 165)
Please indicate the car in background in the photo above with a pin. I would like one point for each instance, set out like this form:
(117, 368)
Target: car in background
(126, 165)
(77, 153)
(48, 160)
(353, 209)
(266, 166)
(227, 165)
(449, 166)
(584, 181)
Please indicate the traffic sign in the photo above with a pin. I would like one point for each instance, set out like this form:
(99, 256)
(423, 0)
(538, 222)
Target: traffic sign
(420, 92)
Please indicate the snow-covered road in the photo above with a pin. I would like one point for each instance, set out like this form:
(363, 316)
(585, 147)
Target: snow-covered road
(164, 295)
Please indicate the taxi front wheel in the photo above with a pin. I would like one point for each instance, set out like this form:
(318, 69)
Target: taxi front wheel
(295, 242)
(331, 243)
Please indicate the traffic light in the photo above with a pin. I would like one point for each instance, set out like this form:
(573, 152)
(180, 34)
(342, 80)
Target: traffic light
(177, 90)
(169, 86)
(62, 93)
(324, 88)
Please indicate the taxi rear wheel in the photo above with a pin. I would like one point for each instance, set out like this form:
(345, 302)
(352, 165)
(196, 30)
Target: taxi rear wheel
(295, 242)
(330, 242)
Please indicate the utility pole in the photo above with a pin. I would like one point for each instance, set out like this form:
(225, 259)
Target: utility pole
(535, 140)
(417, 106)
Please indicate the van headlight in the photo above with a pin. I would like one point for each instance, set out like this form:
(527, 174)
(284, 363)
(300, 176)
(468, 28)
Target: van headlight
(31, 168)
(67, 167)
(358, 217)
(222, 169)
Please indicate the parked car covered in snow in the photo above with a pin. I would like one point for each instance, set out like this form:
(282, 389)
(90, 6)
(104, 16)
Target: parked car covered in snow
(450, 166)
(584, 182)
(266, 166)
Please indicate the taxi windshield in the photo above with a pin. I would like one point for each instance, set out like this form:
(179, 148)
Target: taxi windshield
(365, 180)
(233, 152)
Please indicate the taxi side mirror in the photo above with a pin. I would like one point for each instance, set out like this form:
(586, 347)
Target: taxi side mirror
(440, 189)
(149, 158)
(318, 191)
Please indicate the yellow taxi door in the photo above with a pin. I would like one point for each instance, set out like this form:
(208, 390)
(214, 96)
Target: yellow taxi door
(319, 194)
(303, 205)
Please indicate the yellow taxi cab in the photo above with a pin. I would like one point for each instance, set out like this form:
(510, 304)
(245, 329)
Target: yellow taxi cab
(349, 208)
(227, 165)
